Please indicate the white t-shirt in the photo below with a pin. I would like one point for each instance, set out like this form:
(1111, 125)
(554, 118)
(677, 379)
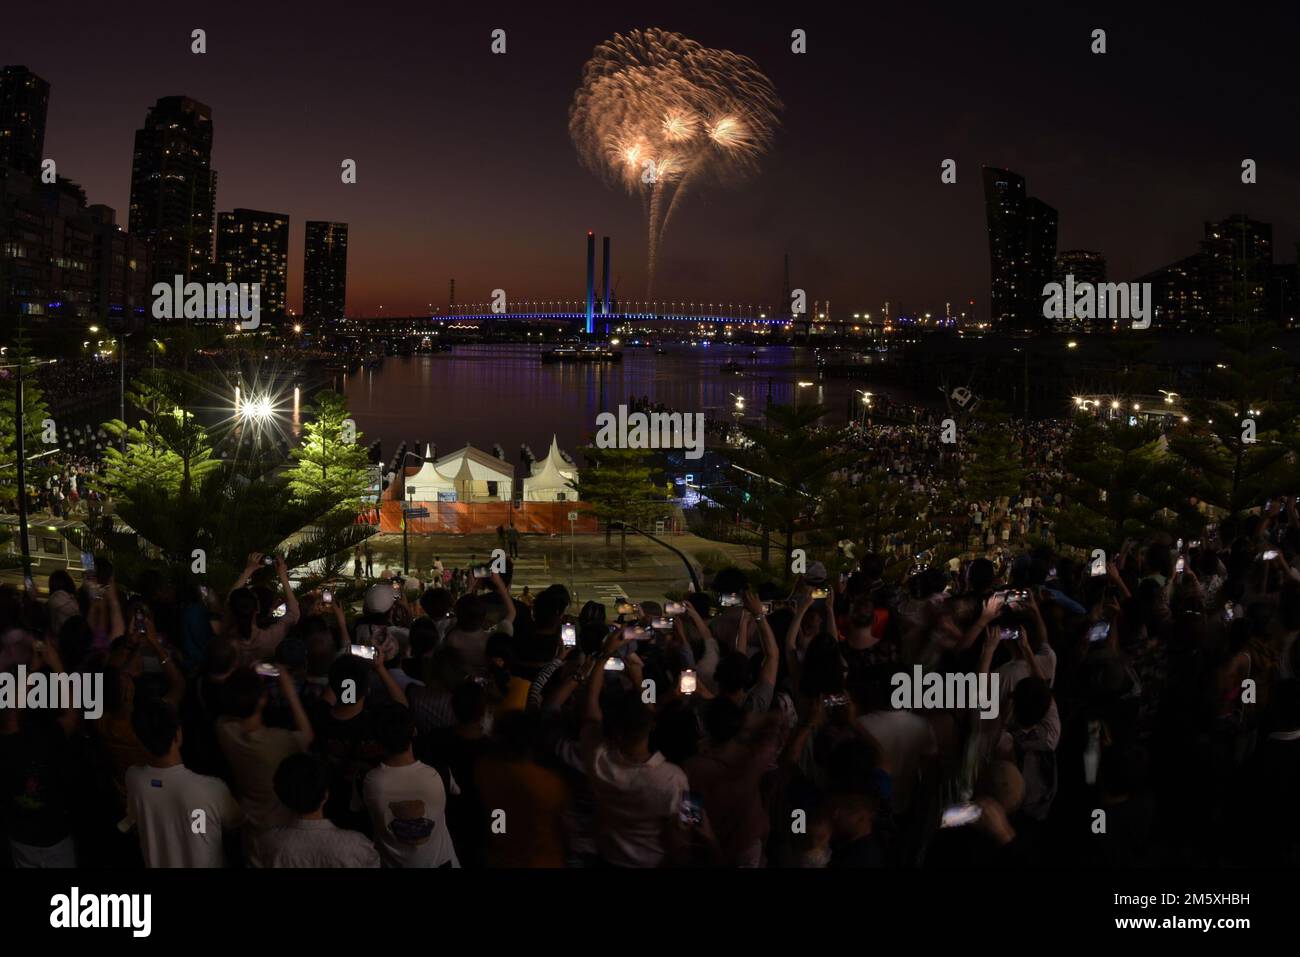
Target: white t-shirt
(408, 806)
(165, 803)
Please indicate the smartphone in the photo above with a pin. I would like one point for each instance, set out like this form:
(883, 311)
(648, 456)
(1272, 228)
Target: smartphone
(959, 815)
(365, 651)
(1195, 543)
(674, 608)
(1015, 597)
(480, 571)
(728, 601)
(569, 635)
(1099, 632)
(614, 664)
(834, 700)
(327, 596)
(268, 559)
(1008, 633)
(1178, 547)
(635, 633)
(1179, 565)
(624, 608)
(280, 610)
(1051, 573)
(767, 607)
(691, 809)
(1269, 555)
(1098, 569)
(661, 624)
(821, 593)
(267, 670)
(1228, 612)
(686, 683)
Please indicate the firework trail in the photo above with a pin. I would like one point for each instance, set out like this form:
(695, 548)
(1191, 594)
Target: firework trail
(657, 112)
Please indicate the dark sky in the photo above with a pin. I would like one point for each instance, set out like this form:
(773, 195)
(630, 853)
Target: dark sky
(465, 167)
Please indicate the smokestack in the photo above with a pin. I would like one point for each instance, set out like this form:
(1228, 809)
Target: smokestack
(591, 279)
(605, 275)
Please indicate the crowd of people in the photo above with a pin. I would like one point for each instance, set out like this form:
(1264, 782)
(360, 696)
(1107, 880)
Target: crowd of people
(64, 487)
(1147, 712)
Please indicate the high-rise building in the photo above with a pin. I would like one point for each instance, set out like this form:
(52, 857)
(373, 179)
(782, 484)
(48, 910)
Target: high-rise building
(1238, 261)
(63, 264)
(174, 188)
(325, 272)
(1022, 251)
(1084, 265)
(253, 247)
(24, 99)
(1231, 279)
(121, 287)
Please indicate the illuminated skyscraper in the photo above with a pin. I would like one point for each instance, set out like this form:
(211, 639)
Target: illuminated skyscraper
(1022, 251)
(253, 247)
(174, 188)
(325, 272)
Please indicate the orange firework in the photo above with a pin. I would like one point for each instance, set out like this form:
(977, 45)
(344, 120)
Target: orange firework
(657, 112)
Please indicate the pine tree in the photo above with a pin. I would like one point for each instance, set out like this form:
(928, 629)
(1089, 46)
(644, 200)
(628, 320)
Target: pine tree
(996, 468)
(1118, 485)
(326, 465)
(1241, 447)
(618, 484)
(788, 461)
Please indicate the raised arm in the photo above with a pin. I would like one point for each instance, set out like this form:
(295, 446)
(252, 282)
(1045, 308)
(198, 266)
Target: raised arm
(295, 707)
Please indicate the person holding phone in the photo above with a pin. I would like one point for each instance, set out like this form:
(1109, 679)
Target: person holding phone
(260, 638)
(638, 791)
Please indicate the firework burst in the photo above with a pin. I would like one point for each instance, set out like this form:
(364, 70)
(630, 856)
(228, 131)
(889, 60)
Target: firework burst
(658, 112)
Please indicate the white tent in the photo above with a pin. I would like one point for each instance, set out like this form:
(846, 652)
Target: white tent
(468, 475)
(550, 478)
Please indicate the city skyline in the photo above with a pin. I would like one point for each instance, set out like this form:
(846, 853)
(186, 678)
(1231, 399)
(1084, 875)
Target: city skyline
(486, 188)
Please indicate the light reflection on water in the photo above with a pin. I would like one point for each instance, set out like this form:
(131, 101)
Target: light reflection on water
(489, 394)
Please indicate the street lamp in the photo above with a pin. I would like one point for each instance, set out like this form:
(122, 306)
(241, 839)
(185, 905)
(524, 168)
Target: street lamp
(406, 518)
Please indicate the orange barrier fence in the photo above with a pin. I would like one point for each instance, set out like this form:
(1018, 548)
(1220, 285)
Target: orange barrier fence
(463, 518)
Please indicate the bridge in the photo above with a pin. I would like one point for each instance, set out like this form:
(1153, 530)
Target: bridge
(748, 317)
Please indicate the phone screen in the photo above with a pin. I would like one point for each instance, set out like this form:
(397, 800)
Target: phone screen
(674, 608)
(1008, 634)
(326, 596)
(267, 670)
(728, 601)
(1099, 632)
(1179, 566)
(364, 651)
(821, 593)
(686, 684)
(959, 815)
(569, 635)
(614, 664)
(690, 811)
(661, 624)
(481, 571)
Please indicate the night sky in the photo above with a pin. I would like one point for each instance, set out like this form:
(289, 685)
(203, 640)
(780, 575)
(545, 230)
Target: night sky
(465, 167)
